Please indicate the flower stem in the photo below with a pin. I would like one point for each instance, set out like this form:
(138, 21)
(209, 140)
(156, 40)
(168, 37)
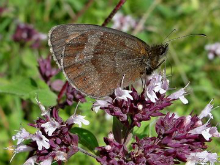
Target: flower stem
(62, 92)
(87, 153)
(117, 7)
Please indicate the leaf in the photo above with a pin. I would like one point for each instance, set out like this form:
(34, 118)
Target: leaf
(117, 128)
(21, 88)
(147, 129)
(28, 89)
(86, 138)
(46, 97)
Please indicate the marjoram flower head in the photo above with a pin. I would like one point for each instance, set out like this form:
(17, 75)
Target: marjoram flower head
(52, 141)
(25, 33)
(179, 139)
(129, 105)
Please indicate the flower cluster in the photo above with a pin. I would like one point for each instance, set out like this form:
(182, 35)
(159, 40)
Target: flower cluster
(123, 23)
(213, 50)
(132, 108)
(52, 141)
(179, 139)
(25, 33)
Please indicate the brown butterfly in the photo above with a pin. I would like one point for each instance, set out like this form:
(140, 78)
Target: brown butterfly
(95, 58)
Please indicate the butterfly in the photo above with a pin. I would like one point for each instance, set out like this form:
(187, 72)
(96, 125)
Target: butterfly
(94, 58)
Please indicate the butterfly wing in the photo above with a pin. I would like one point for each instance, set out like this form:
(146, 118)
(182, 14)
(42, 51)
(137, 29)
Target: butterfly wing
(94, 59)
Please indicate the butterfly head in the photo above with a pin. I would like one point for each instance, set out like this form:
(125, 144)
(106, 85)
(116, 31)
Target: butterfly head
(155, 57)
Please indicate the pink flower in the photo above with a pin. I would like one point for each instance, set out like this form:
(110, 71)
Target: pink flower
(179, 95)
(50, 126)
(213, 50)
(202, 158)
(157, 84)
(21, 136)
(122, 94)
(41, 140)
(19, 148)
(101, 103)
(205, 130)
(31, 161)
(77, 119)
(47, 161)
(206, 111)
(123, 23)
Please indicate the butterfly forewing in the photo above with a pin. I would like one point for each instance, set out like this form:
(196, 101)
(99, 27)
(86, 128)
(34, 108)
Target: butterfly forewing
(94, 59)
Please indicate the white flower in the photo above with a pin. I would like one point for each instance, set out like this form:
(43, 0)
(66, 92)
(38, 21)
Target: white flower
(62, 156)
(213, 50)
(210, 132)
(151, 93)
(31, 160)
(50, 126)
(211, 56)
(206, 111)
(101, 103)
(21, 136)
(19, 148)
(47, 161)
(214, 132)
(158, 83)
(40, 36)
(77, 119)
(41, 140)
(205, 131)
(200, 129)
(202, 158)
(179, 95)
(123, 23)
(123, 94)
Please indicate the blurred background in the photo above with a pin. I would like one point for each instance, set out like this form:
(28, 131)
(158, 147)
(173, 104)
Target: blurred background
(24, 25)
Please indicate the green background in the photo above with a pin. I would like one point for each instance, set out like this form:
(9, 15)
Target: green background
(187, 59)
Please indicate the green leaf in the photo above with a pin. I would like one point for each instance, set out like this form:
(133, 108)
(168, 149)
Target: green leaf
(28, 89)
(21, 88)
(117, 129)
(86, 138)
(46, 96)
(147, 129)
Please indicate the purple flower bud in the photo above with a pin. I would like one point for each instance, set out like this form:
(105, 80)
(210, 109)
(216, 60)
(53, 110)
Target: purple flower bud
(25, 33)
(45, 69)
(73, 95)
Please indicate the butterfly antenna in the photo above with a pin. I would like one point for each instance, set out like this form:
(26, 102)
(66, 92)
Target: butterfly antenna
(169, 34)
(203, 35)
